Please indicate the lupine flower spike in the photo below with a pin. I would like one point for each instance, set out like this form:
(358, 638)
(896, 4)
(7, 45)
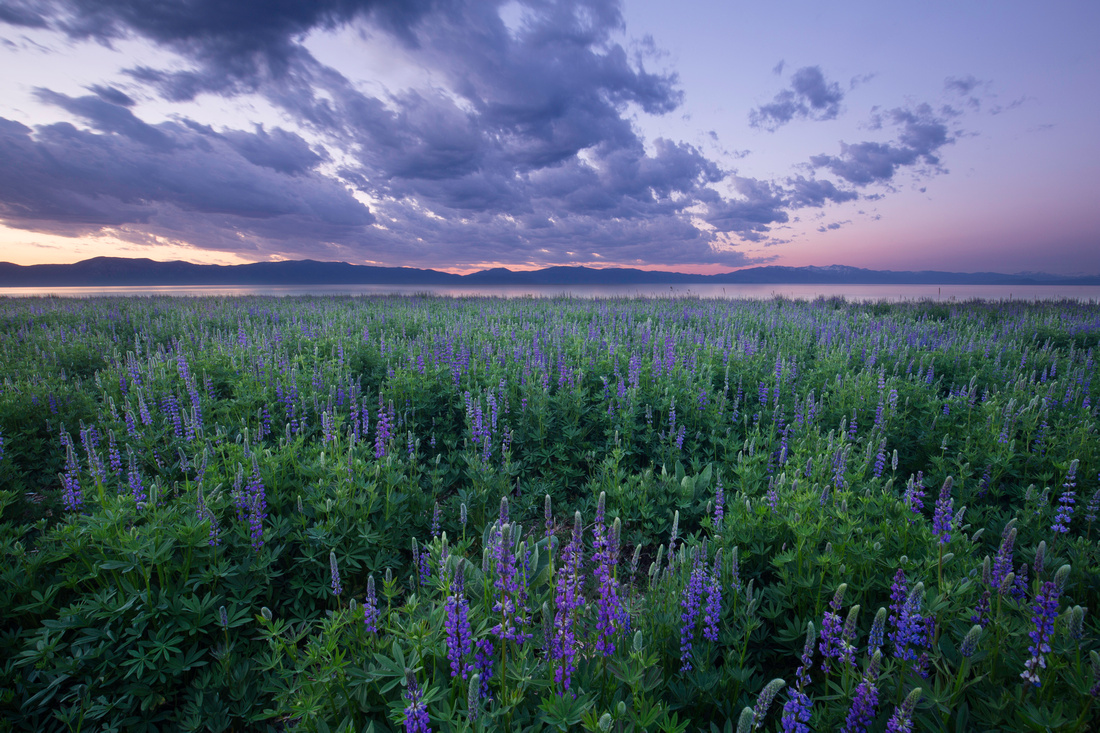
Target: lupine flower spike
(902, 719)
(764, 701)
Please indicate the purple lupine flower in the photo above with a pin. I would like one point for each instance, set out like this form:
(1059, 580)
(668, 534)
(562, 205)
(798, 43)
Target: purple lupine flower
(865, 702)
(689, 602)
(720, 504)
(416, 713)
(796, 711)
(457, 624)
(437, 516)
(1066, 500)
(941, 519)
(840, 463)
(611, 616)
(137, 488)
(832, 631)
(983, 610)
(983, 483)
(714, 600)
(512, 614)
(484, 659)
(878, 629)
(1002, 563)
(568, 600)
(914, 494)
(911, 632)
(772, 497)
(334, 574)
(1020, 583)
(424, 566)
(256, 506)
(1044, 613)
(113, 454)
(1093, 507)
(902, 719)
(880, 458)
(371, 616)
(899, 595)
(73, 497)
(383, 429)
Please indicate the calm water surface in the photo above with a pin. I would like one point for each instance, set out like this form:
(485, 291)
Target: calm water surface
(1083, 293)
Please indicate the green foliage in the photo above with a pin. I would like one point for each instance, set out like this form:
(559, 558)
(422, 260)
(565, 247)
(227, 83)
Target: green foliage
(190, 586)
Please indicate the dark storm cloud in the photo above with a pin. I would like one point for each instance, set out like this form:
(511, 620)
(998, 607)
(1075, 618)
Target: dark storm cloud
(170, 179)
(22, 13)
(242, 39)
(523, 151)
(809, 97)
(920, 135)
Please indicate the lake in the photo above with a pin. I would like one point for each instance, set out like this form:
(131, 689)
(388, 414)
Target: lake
(1082, 293)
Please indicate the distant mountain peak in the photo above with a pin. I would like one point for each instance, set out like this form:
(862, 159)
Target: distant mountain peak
(118, 271)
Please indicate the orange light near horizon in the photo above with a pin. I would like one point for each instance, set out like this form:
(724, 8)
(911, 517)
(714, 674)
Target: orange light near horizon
(22, 247)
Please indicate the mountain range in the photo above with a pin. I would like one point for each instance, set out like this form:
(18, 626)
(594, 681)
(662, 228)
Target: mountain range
(120, 271)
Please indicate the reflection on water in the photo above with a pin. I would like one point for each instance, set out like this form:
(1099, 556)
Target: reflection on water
(1083, 293)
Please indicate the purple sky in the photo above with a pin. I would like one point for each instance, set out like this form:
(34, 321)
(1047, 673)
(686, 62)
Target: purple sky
(453, 134)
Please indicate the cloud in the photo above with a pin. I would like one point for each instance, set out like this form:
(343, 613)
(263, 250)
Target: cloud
(112, 95)
(832, 226)
(963, 86)
(809, 97)
(802, 193)
(920, 135)
(22, 13)
(172, 179)
(521, 149)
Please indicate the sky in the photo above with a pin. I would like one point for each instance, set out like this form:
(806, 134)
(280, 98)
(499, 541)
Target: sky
(698, 136)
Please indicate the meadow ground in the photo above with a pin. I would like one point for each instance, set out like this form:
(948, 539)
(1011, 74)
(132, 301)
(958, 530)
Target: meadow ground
(415, 513)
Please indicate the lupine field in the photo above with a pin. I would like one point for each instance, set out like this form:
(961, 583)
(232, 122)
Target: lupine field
(416, 513)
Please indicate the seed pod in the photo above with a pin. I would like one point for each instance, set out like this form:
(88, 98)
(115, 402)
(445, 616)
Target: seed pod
(1075, 627)
(744, 723)
(472, 696)
(1061, 577)
(970, 641)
